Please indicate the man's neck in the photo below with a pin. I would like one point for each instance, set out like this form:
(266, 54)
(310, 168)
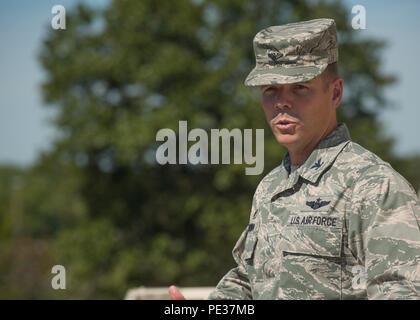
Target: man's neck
(298, 156)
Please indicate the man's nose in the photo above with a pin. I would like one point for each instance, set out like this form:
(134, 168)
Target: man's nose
(282, 102)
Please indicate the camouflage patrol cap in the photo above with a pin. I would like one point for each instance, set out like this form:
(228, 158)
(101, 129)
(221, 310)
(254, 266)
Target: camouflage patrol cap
(294, 52)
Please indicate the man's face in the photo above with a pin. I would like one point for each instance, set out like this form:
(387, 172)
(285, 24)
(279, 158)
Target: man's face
(301, 114)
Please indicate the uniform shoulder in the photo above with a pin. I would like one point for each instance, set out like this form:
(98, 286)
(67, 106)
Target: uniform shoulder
(361, 157)
(273, 174)
(370, 171)
(267, 182)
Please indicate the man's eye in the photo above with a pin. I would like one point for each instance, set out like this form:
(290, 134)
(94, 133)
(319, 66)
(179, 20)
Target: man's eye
(301, 87)
(269, 90)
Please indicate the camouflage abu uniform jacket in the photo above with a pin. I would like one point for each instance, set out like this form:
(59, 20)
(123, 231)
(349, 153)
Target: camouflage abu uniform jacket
(342, 216)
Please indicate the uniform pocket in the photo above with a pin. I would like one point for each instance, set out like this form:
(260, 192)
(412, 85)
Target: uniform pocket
(308, 240)
(306, 262)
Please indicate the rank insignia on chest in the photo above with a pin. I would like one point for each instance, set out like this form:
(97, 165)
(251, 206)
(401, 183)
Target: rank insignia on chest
(317, 164)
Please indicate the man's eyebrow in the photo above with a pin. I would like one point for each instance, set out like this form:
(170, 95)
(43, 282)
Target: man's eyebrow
(266, 86)
(294, 83)
(304, 82)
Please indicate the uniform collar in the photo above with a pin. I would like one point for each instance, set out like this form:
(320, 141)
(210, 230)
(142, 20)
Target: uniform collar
(318, 161)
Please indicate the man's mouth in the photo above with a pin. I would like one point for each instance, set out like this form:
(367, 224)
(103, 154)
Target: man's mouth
(285, 124)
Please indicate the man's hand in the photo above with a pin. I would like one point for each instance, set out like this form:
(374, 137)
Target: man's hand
(175, 294)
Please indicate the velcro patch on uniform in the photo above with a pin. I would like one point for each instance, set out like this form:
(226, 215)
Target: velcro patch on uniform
(315, 220)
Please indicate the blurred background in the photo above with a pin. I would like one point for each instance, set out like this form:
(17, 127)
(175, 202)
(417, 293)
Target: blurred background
(79, 113)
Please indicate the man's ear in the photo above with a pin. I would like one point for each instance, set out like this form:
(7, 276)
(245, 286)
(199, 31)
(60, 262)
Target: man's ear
(337, 91)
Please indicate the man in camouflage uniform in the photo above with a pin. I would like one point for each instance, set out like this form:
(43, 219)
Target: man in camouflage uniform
(333, 221)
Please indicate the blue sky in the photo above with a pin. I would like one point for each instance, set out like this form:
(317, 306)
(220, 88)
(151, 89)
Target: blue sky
(24, 129)
(398, 22)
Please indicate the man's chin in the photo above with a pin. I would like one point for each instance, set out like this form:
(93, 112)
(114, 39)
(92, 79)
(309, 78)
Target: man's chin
(287, 139)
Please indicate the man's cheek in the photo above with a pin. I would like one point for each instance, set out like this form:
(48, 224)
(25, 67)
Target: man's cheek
(270, 114)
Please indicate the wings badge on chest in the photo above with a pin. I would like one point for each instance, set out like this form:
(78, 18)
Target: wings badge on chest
(317, 204)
